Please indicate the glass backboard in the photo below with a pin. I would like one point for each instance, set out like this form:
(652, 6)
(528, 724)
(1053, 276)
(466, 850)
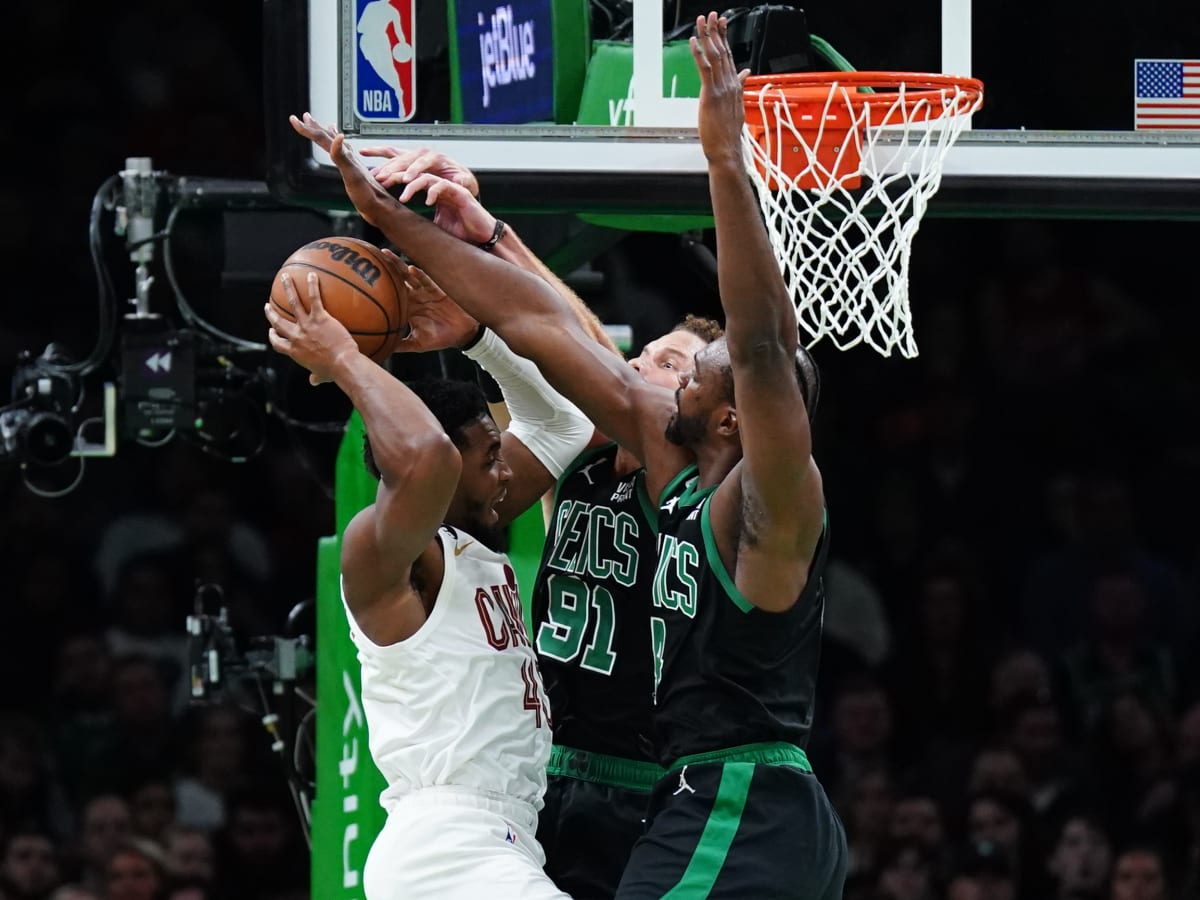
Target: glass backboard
(588, 105)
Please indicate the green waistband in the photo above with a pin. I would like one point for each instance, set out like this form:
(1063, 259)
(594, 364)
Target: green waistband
(775, 753)
(614, 771)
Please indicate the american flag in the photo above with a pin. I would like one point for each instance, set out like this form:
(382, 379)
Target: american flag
(1166, 94)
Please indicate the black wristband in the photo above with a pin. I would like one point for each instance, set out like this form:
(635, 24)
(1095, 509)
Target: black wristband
(476, 338)
(495, 238)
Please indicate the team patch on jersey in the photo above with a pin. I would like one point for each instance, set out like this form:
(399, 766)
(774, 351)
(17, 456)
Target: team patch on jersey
(623, 492)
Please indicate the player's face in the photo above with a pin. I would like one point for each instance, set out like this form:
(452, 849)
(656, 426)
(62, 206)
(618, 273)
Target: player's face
(483, 482)
(663, 360)
(699, 392)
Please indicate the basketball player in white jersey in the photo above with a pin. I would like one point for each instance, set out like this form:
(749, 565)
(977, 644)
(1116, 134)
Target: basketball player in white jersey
(455, 707)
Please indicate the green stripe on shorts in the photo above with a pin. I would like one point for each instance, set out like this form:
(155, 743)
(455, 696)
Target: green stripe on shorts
(709, 856)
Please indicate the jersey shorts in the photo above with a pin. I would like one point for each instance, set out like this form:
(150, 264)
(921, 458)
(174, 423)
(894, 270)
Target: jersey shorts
(749, 822)
(453, 844)
(595, 811)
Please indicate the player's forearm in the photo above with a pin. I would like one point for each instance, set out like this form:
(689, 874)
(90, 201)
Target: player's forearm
(753, 295)
(404, 433)
(546, 422)
(502, 296)
(514, 250)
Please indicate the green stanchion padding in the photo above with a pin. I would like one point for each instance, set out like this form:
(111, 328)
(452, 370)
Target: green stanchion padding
(607, 100)
(346, 814)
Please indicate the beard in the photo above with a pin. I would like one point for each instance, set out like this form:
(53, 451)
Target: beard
(493, 537)
(684, 431)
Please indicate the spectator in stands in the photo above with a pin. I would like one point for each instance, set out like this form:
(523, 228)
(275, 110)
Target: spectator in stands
(152, 806)
(860, 739)
(134, 871)
(217, 764)
(29, 868)
(1118, 653)
(1140, 873)
(867, 819)
(1081, 858)
(907, 871)
(189, 856)
(105, 825)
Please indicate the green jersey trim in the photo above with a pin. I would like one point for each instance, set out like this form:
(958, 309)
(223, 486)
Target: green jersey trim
(717, 565)
(674, 483)
(600, 768)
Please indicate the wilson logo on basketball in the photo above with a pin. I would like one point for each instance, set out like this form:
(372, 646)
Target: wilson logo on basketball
(360, 265)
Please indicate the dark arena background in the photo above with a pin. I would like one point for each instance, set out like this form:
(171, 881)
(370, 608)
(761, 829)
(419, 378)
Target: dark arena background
(1009, 699)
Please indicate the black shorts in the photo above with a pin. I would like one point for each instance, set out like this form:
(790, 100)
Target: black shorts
(595, 811)
(750, 822)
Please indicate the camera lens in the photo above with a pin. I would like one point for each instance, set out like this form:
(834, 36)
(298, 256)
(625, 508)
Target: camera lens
(47, 439)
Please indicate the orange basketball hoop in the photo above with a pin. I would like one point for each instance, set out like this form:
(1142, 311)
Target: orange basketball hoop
(811, 141)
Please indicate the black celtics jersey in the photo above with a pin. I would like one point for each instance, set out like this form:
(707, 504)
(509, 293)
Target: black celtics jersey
(591, 606)
(727, 673)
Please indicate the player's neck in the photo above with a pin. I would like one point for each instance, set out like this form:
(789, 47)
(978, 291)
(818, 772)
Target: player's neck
(625, 463)
(716, 460)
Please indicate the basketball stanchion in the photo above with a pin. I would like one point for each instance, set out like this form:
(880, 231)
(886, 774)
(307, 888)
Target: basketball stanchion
(844, 164)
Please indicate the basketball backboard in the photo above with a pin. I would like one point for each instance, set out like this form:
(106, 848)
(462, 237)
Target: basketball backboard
(579, 106)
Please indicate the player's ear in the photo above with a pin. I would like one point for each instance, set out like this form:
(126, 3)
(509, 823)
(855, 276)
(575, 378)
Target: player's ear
(727, 425)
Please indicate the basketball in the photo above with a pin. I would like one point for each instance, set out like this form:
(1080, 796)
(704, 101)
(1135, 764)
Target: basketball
(358, 289)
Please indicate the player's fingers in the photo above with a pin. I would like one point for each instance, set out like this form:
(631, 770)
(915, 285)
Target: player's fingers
(387, 152)
(423, 161)
(395, 263)
(742, 76)
(697, 46)
(422, 279)
(313, 285)
(314, 380)
(289, 293)
(278, 341)
(275, 320)
(418, 184)
(436, 192)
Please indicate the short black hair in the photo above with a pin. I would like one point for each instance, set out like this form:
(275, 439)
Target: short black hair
(808, 377)
(454, 403)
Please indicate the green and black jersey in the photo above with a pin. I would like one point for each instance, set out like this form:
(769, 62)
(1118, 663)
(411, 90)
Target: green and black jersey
(591, 608)
(727, 674)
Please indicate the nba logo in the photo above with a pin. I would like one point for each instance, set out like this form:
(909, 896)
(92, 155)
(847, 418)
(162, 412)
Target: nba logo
(385, 67)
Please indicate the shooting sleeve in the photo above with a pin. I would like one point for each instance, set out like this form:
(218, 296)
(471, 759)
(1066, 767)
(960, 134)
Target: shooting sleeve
(553, 429)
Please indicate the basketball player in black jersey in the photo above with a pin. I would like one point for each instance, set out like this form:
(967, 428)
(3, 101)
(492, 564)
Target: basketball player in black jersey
(591, 615)
(743, 538)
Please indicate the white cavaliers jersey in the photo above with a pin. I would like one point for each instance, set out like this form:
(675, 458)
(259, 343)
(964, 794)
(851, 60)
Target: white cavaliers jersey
(461, 701)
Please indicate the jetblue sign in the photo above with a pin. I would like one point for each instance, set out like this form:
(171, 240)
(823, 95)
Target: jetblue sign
(506, 60)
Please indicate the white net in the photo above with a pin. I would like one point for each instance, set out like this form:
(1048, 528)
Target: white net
(844, 247)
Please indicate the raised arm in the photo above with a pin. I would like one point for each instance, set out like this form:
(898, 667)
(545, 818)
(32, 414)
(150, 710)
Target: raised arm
(460, 212)
(418, 464)
(774, 507)
(527, 312)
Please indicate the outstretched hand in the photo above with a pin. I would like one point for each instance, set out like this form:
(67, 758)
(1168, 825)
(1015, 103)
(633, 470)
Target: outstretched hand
(454, 209)
(316, 340)
(367, 194)
(435, 321)
(721, 111)
(402, 166)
